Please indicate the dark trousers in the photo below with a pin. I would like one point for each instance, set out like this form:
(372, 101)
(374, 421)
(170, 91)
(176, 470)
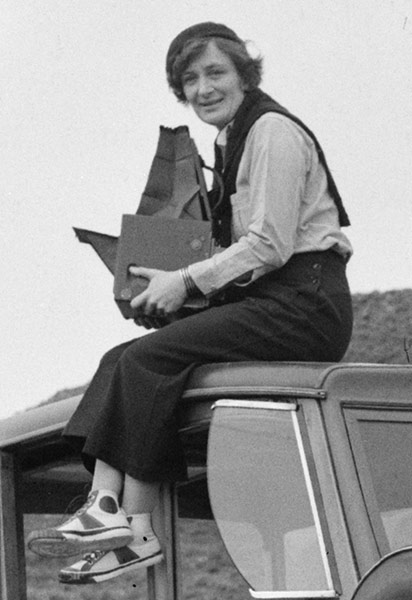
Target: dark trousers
(127, 417)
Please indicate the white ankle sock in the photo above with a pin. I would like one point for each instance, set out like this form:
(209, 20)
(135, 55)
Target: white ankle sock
(103, 492)
(141, 525)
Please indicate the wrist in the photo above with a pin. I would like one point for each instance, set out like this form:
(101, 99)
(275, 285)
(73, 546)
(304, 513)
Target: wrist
(190, 286)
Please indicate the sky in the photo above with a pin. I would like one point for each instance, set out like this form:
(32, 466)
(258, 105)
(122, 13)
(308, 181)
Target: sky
(82, 96)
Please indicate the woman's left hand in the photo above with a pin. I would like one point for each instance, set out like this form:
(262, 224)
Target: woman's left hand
(164, 295)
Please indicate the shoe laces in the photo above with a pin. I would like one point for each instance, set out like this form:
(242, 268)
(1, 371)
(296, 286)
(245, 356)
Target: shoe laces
(69, 511)
(93, 557)
(90, 500)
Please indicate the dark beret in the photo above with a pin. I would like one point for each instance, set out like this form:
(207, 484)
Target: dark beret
(201, 30)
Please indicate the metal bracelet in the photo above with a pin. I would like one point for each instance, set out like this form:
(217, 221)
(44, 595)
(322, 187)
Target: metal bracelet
(188, 281)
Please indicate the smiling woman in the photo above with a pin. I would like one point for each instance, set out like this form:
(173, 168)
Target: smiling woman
(193, 42)
(213, 87)
(276, 287)
(212, 75)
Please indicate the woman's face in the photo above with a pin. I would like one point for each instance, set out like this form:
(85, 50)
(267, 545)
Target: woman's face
(213, 87)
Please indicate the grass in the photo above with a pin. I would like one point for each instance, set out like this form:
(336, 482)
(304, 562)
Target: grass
(207, 572)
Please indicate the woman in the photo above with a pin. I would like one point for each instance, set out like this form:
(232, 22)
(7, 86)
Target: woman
(282, 266)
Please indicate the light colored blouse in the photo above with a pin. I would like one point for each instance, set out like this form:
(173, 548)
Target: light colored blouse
(281, 207)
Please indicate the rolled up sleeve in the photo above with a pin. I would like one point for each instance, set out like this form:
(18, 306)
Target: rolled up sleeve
(270, 186)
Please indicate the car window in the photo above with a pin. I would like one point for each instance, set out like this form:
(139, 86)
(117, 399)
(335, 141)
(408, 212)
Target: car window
(382, 447)
(262, 498)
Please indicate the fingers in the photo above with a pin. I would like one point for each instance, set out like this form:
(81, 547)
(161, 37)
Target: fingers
(140, 303)
(143, 304)
(148, 315)
(149, 322)
(164, 295)
(143, 307)
(143, 272)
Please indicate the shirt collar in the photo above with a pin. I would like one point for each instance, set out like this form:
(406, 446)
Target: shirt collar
(221, 139)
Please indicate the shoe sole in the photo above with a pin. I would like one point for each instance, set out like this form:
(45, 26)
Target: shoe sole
(53, 544)
(89, 578)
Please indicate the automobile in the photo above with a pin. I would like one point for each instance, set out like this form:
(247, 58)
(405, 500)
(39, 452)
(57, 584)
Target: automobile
(305, 468)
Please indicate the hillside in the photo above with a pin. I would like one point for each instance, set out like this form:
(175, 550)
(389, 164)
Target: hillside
(382, 326)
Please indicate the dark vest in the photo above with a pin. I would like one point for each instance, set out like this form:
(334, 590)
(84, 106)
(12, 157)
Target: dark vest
(255, 104)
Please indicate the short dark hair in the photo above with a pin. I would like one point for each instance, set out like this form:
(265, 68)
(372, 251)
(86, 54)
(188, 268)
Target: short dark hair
(248, 68)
